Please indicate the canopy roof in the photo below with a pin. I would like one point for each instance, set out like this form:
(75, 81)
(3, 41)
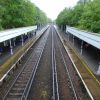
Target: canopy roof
(90, 38)
(11, 33)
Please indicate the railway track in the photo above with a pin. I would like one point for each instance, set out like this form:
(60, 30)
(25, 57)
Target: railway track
(42, 85)
(20, 88)
(69, 90)
(54, 72)
(68, 81)
(54, 79)
(48, 74)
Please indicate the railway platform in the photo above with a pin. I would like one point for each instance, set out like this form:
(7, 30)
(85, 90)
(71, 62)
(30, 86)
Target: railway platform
(8, 62)
(49, 69)
(91, 83)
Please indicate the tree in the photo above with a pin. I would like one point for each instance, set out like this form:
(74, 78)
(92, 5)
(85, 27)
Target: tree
(64, 18)
(20, 13)
(85, 15)
(90, 19)
(70, 16)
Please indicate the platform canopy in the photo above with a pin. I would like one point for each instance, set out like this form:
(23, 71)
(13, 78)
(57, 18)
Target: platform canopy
(12, 33)
(91, 38)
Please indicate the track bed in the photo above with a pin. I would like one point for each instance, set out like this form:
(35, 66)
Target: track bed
(48, 73)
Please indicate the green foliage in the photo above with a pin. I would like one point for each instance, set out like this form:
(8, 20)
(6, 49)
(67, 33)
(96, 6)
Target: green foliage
(64, 17)
(40, 17)
(76, 14)
(90, 19)
(70, 16)
(85, 15)
(19, 13)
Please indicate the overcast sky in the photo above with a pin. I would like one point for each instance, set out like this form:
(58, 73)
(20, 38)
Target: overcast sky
(53, 7)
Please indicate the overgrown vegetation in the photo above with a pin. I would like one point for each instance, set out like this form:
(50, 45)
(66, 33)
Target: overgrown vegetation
(85, 15)
(20, 13)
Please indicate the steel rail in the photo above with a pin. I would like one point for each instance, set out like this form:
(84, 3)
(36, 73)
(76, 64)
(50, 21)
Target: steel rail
(75, 94)
(56, 76)
(54, 70)
(17, 77)
(32, 73)
(39, 35)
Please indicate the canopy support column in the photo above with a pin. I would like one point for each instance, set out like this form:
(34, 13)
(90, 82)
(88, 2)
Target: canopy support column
(22, 40)
(68, 36)
(5, 43)
(82, 47)
(73, 39)
(14, 42)
(98, 71)
(11, 47)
